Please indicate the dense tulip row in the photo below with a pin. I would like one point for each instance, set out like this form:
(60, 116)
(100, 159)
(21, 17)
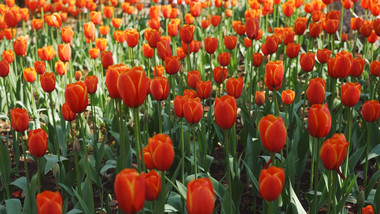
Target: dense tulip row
(142, 96)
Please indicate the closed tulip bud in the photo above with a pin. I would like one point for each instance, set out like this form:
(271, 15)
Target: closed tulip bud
(366, 28)
(108, 11)
(319, 121)
(274, 73)
(10, 18)
(159, 88)
(172, 29)
(119, 36)
(132, 37)
(186, 33)
(94, 53)
(323, 55)
(271, 183)
(288, 8)
(332, 26)
(247, 43)
(292, 50)
(307, 61)
(48, 53)
(67, 114)
(189, 19)
(344, 37)
(372, 38)
(49, 202)
(289, 37)
(19, 46)
(193, 110)
(106, 59)
(20, 119)
(67, 34)
(39, 66)
(89, 30)
(178, 104)
(333, 152)
(252, 28)
(129, 190)
(357, 67)
(4, 68)
(91, 83)
(225, 111)
(220, 74)
(376, 26)
(316, 91)
(172, 64)
(76, 97)
(272, 133)
(164, 49)
(257, 59)
(132, 86)
(356, 23)
(8, 56)
(368, 210)
(96, 17)
(340, 66)
(211, 44)
(371, 110)
(215, 20)
(61, 67)
(48, 82)
(38, 142)
(152, 185)
(200, 196)
(260, 98)
(230, 42)
(375, 68)
(203, 89)
(101, 43)
(112, 75)
(193, 77)
(64, 52)
(314, 29)
(224, 59)
(287, 96)
(30, 74)
(147, 159)
(239, 28)
(160, 147)
(116, 22)
(316, 15)
(153, 37)
(234, 87)
(104, 30)
(300, 25)
(350, 93)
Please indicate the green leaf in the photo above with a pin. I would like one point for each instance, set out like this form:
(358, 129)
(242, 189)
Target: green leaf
(13, 206)
(51, 160)
(181, 188)
(20, 183)
(74, 211)
(375, 152)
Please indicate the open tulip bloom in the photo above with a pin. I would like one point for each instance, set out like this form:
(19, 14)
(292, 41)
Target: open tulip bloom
(199, 107)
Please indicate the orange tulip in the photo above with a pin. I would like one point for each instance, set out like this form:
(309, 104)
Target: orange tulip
(153, 37)
(132, 87)
(274, 75)
(172, 29)
(376, 26)
(350, 93)
(154, 12)
(159, 87)
(67, 114)
(178, 104)
(38, 142)
(54, 20)
(37, 23)
(323, 55)
(300, 25)
(49, 202)
(130, 191)
(200, 196)
(332, 26)
(152, 185)
(247, 42)
(108, 11)
(271, 183)
(371, 110)
(319, 120)
(181, 53)
(104, 30)
(161, 151)
(215, 20)
(225, 111)
(20, 119)
(287, 96)
(252, 28)
(289, 37)
(61, 67)
(116, 22)
(76, 96)
(8, 56)
(106, 59)
(172, 64)
(316, 91)
(211, 44)
(230, 42)
(372, 38)
(10, 18)
(234, 87)
(119, 36)
(89, 30)
(224, 59)
(316, 15)
(257, 59)
(91, 83)
(333, 152)
(366, 28)
(67, 34)
(272, 133)
(205, 23)
(307, 61)
(19, 46)
(368, 210)
(340, 66)
(164, 49)
(195, 9)
(48, 82)
(4, 68)
(238, 27)
(375, 68)
(64, 52)
(96, 17)
(193, 110)
(193, 77)
(48, 53)
(94, 52)
(288, 8)
(292, 50)
(203, 89)
(260, 98)
(112, 75)
(186, 33)
(357, 67)
(30, 74)
(166, 10)
(220, 74)
(101, 43)
(356, 23)
(270, 46)
(189, 19)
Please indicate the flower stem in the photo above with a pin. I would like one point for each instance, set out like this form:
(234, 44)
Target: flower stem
(228, 168)
(121, 140)
(159, 116)
(182, 153)
(38, 175)
(140, 157)
(195, 153)
(349, 140)
(56, 142)
(366, 155)
(276, 109)
(316, 175)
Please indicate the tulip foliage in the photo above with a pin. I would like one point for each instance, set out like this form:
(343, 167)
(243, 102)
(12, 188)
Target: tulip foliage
(189, 106)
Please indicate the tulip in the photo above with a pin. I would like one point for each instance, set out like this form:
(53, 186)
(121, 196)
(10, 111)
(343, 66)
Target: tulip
(64, 52)
(193, 77)
(189, 19)
(257, 59)
(368, 210)
(186, 33)
(376, 26)
(224, 59)
(108, 11)
(193, 110)
(153, 37)
(215, 20)
(67, 34)
(10, 18)
(164, 49)
(106, 59)
(38, 142)
(190, 93)
(101, 43)
(200, 196)
(333, 152)
(96, 17)
(30, 74)
(203, 89)
(178, 104)
(116, 22)
(132, 86)
(119, 36)
(112, 75)
(371, 110)
(287, 96)
(289, 37)
(8, 56)
(160, 147)
(48, 53)
(375, 68)
(67, 114)
(132, 37)
(357, 67)
(48, 82)
(129, 190)
(260, 98)
(271, 183)
(20, 119)
(350, 93)
(4, 68)
(270, 126)
(211, 44)
(76, 97)
(332, 26)
(300, 25)
(49, 202)
(152, 185)
(356, 23)
(230, 42)
(252, 28)
(316, 91)
(91, 83)
(307, 61)
(61, 67)
(89, 30)
(314, 30)
(323, 55)
(274, 75)
(39, 66)
(234, 87)
(19, 46)
(366, 28)
(340, 66)
(239, 28)
(205, 23)
(104, 30)
(225, 111)
(172, 64)
(159, 87)
(319, 120)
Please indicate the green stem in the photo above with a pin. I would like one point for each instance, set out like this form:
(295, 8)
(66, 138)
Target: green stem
(182, 153)
(159, 116)
(140, 157)
(26, 170)
(330, 202)
(122, 145)
(349, 122)
(77, 171)
(312, 164)
(316, 176)
(163, 192)
(270, 207)
(38, 175)
(228, 167)
(195, 152)
(55, 128)
(276, 109)
(366, 156)
(176, 188)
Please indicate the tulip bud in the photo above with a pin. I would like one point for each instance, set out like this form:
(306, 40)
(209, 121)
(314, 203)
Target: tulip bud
(271, 183)
(56, 171)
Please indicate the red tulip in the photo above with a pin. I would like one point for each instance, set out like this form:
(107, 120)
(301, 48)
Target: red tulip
(132, 86)
(319, 120)
(203, 89)
(77, 97)
(370, 110)
(200, 196)
(234, 87)
(271, 183)
(225, 111)
(49, 202)
(193, 110)
(38, 142)
(48, 81)
(159, 88)
(333, 152)
(152, 185)
(20, 119)
(274, 75)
